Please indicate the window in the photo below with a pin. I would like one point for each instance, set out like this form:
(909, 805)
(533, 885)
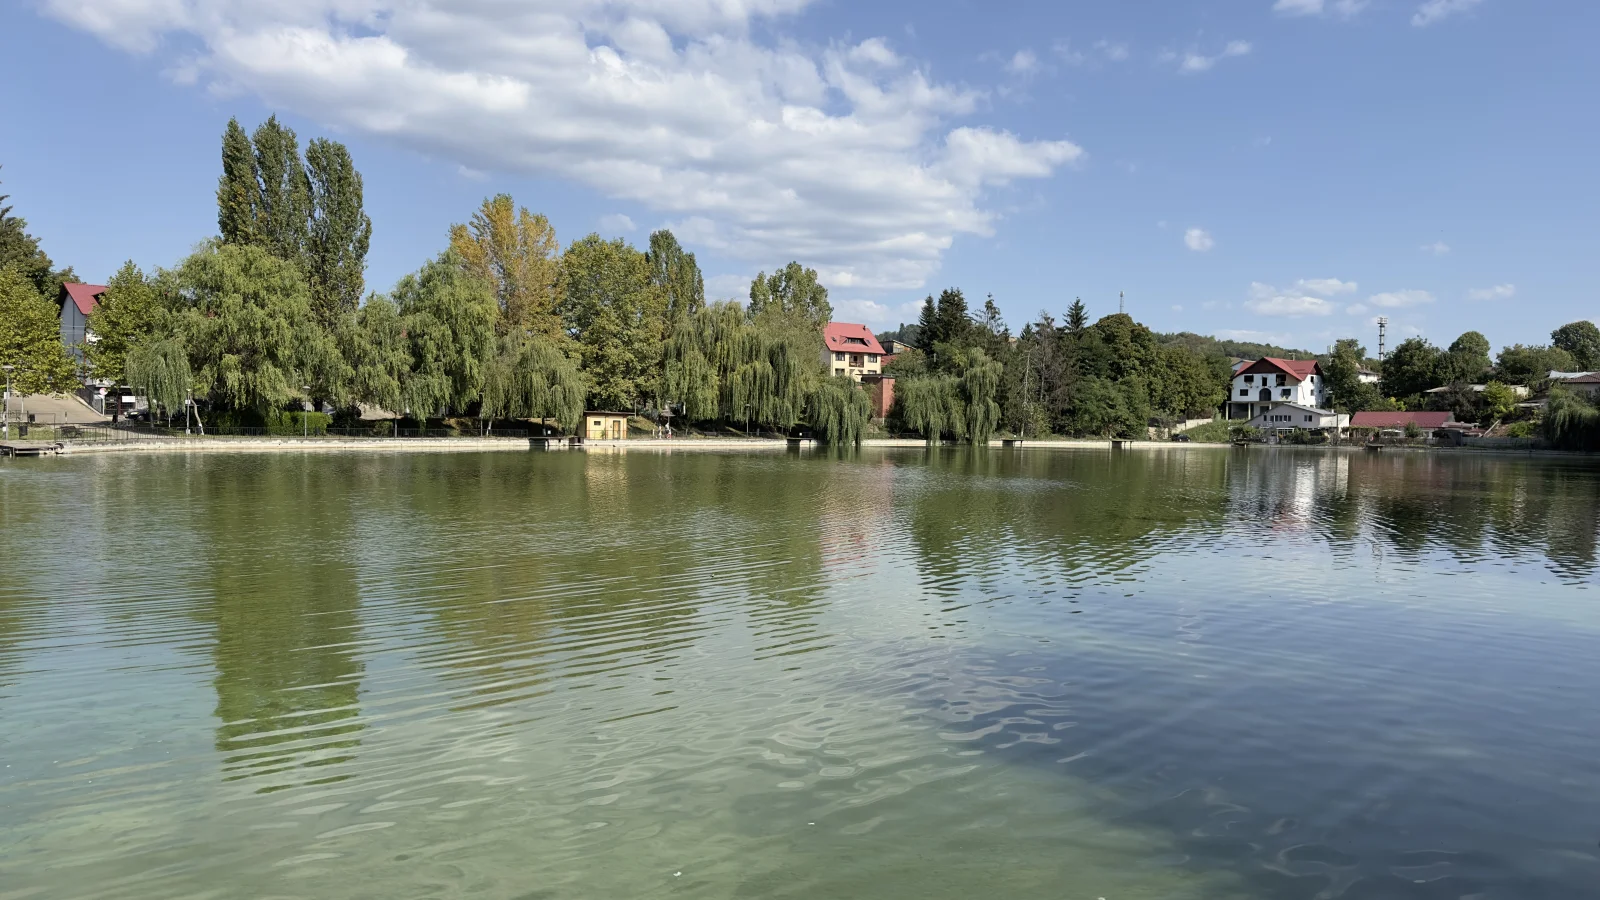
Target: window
(872, 357)
(1249, 379)
(1283, 380)
(855, 340)
(1286, 393)
(855, 360)
(1308, 418)
(838, 371)
(838, 357)
(1243, 392)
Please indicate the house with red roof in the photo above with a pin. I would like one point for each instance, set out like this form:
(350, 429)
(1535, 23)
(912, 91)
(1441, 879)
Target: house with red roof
(849, 349)
(1258, 385)
(76, 302)
(1399, 421)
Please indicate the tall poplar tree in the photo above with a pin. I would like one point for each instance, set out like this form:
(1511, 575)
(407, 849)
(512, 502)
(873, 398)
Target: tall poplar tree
(238, 191)
(283, 208)
(676, 274)
(794, 290)
(339, 232)
(516, 252)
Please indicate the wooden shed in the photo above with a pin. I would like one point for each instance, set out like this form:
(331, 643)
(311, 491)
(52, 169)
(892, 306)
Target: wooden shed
(600, 425)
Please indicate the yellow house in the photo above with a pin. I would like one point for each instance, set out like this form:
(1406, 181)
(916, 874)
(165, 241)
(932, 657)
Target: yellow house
(605, 426)
(849, 349)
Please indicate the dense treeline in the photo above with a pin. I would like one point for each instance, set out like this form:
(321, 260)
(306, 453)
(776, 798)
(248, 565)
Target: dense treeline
(969, 377)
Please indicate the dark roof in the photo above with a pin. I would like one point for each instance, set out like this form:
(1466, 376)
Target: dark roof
(1401, 419)
(84, 296)
(1299, 369)
(835, 335)
(1591, 378)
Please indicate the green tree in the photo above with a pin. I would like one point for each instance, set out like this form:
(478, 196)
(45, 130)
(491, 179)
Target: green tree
(1185, 386)
(1128, 349)
(838, 410)
(1499, 399)
(618, 317)
(1413, 367)
(533, 379)
(130, 312)
(20, 252)
(449, 320)
(1582, 340)
(245, 316)
(515, 251)
(930, 405)
(1467, 360)
(30, 338)
(283, 200)
(1570, 422)
(1531, 365)
(376, 350)
(793, 290)
(157, 369)
(238, 192)
(1100, 407)
(1077, 317)
(1343, 374)
(338, 233)
(676, 275)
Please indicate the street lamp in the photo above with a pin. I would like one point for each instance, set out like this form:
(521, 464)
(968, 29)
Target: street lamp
(5, 424)
(305, 417)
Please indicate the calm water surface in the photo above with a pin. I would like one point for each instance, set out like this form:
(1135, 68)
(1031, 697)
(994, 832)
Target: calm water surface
(1186, 673)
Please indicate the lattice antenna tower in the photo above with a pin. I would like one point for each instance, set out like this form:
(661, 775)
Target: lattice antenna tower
(1383, 332)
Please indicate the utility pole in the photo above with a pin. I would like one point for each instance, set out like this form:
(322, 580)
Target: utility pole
(1120, 304)
(1383, 331)
(5, 426)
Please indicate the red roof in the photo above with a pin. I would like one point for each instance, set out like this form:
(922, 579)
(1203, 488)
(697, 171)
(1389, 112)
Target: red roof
(1299, 369)
(84, 296)
(1425, 420)
(843, 337)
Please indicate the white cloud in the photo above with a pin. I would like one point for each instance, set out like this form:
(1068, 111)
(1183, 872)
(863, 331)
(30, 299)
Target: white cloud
(1193, 61)
(1102, 51)
(1114, 52)
(1025, 62)
(1356, 309)
(879, 315)
(1342, 8)
(1177, 307)
(1498, 292)
(1198, 239)
(1400, 299)
(1267, 300)
(1438, 10)
(1437, 248)
(1326, 287)
(846, 156)
(616, 222)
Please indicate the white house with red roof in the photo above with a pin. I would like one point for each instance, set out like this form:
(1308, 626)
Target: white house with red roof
(1258, 385)
(849, 349)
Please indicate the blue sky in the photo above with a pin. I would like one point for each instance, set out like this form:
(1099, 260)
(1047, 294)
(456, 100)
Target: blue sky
(1272, 169)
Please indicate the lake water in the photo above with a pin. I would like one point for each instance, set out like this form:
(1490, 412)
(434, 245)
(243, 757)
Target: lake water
(1173, 673)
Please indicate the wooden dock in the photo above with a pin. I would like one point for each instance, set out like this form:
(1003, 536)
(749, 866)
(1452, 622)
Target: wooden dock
(30, 448)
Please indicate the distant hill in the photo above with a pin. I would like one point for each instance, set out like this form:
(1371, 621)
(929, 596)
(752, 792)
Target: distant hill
(1206, 345)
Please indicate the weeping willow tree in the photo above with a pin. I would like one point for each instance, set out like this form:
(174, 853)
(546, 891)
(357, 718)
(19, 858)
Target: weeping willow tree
(838, 411)
(159, 370)
(533, 379)
(1571, 422)
(960, 406)
(722, 363)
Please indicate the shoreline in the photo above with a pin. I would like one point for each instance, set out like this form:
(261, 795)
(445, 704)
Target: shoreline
(223, 444)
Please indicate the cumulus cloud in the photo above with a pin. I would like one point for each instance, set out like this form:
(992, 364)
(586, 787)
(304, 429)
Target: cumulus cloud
(1356, 309)
(1267, 300)
(1326, 287)
(1198, 239)
(846, 156)
(1437, 248)
(616, 222)
(1194, 61)
(1400, 299)
(1102, 51)
(871, 312)
(1498, 292)
(1341, 8)
(1439, 10)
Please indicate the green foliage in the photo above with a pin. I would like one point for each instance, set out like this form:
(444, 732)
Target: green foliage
(1415, 366)
(245, 316)
(515, 251)
(1532, 365)
(283, 199)
(838, 410)
(534, 380)
(130, 312)
(158, 369)
(1077, 317)
(1219, 431)
(1466, 361)
(1302, 437)
(1107, 409)
(931, 406)
(1413, 430)
(794, 291)
(1523, 429)
(676, 275)
(238, 192)
(30, 338)
(1343, 372)
(1499, 400)
(338, 233)
(1205, 345)
(294, 422)
(1571, 422)
(1582, 340)
(449, 322)
(618, 317)
(376, 351)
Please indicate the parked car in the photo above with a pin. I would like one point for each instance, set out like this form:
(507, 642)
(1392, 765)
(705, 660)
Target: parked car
(1180, 439)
